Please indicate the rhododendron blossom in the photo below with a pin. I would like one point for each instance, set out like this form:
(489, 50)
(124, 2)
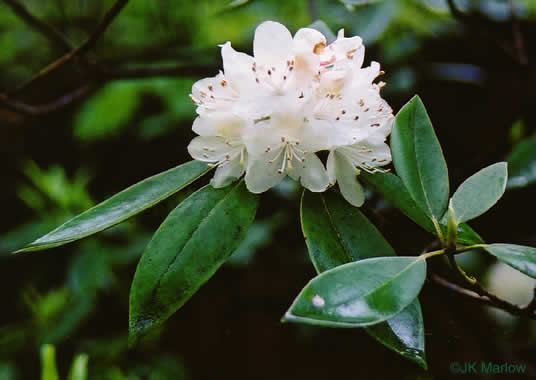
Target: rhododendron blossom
(268, 115)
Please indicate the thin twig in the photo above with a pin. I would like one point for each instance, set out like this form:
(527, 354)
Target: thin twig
(84, 47)
(46, 30)
(37, 110)
(484, 297)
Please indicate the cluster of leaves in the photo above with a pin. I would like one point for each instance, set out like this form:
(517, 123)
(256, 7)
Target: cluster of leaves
(361, 283)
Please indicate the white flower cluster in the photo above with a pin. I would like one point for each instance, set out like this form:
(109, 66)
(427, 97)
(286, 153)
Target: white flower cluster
(269, 114)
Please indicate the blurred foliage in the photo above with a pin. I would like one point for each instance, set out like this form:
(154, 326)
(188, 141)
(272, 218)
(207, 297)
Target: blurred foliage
(60, 164)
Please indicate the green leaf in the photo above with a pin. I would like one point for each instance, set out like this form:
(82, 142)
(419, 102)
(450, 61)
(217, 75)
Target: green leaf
(337, 234)
(359, 294)
(393, 190)
(48, 363)
(517, 256)
(418, 158)
(186, 250)
(522, 164)
(79, 368)
(466, 235)
(121, 206)
(404, 333)
(479, 192)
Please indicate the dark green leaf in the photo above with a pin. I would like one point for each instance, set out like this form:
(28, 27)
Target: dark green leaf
(522, 164)
(518, 256)
(393, 190)
(121, 206)
(418, 158)
(466, 235)
(479, 192)
(186, 250)
(404, 333)
(337, 234)
(359, 294)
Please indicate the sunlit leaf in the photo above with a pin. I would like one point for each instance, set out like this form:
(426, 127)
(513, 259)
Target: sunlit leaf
(79, 368)
(48, 363)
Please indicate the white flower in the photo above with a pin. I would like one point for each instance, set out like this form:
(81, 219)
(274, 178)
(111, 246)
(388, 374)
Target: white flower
(269, 114)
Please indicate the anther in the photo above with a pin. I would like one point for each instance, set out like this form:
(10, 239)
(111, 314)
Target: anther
(356, 117)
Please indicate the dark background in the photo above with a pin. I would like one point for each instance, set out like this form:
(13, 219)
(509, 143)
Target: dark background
(102, 122)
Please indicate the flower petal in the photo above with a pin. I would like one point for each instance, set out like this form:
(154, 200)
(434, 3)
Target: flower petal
(237, 69)
(227, 172)
(368, 154)
(209, 148)
(219, 124)
(310, 173)
(272, 43)
(346, 174)
(262, 171)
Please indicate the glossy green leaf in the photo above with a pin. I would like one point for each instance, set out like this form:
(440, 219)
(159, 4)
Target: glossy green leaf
(480, 192)
(393, 190)
(522, 164)
(466, 235)
(418, 158)
(336, 234)
(186, 250)
(359, 294)
(121, 206)
(404, 333)
(517, 256)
